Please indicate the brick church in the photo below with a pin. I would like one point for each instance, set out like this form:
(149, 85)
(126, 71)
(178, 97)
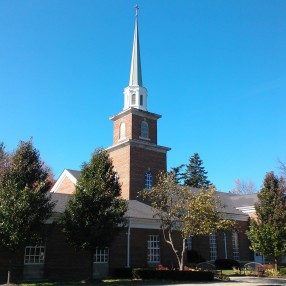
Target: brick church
(137, 158)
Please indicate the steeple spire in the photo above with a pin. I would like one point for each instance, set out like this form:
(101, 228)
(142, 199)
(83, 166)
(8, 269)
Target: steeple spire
(135, 95)
(135, 71)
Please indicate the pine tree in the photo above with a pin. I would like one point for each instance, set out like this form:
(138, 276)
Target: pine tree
(195, 175)
(96, 212)
(267, 232)
(24, 202)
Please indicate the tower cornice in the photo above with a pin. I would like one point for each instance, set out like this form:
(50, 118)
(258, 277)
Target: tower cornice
(135, 111)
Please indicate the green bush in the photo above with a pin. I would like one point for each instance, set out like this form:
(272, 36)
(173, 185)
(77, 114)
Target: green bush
(175, 275)
(226, 264)
(122, 273)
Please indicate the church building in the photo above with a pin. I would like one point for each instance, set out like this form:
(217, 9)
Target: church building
(137, 159)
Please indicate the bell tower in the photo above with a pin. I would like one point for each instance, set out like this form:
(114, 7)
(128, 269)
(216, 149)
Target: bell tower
(135, 153)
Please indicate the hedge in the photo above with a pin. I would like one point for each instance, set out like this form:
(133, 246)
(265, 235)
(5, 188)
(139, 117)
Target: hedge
(175, 275)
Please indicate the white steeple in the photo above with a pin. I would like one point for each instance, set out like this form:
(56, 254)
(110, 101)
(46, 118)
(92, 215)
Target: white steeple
(135, 95)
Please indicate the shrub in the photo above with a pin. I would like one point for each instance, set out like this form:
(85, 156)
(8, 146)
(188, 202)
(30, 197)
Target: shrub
(226, 264)
(176, 275)
(194, 257)
(123, 273)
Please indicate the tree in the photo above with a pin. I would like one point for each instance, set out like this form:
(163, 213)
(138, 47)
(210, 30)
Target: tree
(195, 174)
(181, 210)
(243, 187)
(96, 212)
(24, 203)
(177, 173)
(267, 232)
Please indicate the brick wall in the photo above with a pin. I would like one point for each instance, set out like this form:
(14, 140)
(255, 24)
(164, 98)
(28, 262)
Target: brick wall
(66, 187)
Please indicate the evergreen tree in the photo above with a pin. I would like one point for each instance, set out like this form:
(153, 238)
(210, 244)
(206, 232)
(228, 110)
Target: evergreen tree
(177, 173)
(267, 232)
(24, 203)
(195, 175)
(96, 212)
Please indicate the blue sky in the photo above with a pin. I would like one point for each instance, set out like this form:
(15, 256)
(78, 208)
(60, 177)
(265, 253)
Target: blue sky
(214, 69)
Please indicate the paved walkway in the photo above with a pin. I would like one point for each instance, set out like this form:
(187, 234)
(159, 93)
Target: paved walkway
(240, 281)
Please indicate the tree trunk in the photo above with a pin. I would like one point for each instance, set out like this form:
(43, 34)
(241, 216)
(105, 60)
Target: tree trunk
(275, 260)
(9, 269)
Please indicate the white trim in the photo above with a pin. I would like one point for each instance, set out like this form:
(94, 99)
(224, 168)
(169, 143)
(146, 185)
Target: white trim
(65, 174)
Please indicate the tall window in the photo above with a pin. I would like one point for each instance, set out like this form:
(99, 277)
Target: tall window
(153, 255)
(101, 255)
(235, 246)
(213, 247)
(144, 129)
(133, 99)
(148, 180)
(34, 255)
(122, 131)
(141, 99)
(189, 243)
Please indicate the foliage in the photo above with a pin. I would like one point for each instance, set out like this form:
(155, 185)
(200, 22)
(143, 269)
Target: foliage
(227, 264)
(195, 175)
(24, 203)
(178, 173)
(194, 257)
(273, 273)
(96, 211)
(140, 273)
(267, 232)
(244, 187)
(187, 212)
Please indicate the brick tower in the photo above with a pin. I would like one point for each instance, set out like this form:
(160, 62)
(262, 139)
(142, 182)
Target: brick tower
(136, 156)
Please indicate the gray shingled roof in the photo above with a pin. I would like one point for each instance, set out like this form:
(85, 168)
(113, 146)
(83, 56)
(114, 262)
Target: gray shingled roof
(75, 173)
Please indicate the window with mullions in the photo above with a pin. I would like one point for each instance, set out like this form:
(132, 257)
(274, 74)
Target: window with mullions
(34, 255)
(148, 180)
(213, 247)
(153, 249)
(235, 246)
(188, 243)
(101, 255)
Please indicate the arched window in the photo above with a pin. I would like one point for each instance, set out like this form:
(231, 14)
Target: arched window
(148, 180)
(141, 99)
(144, 129)
(133, 99)
(122, 131)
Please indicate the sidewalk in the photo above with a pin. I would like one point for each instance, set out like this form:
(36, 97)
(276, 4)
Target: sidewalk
(238, 281)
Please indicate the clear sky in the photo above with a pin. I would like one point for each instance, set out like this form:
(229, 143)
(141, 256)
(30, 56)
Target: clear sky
(214, 69)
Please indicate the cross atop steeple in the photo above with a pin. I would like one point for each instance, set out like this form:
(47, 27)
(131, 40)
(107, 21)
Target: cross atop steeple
(135, 95)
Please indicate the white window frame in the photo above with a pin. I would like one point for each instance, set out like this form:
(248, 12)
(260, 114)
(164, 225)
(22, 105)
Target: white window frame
(101, 255)
(153, 249)
(189, 243)
(148, 180)
(213, 247)
(235, 246)
(34, 255)
(133, 99)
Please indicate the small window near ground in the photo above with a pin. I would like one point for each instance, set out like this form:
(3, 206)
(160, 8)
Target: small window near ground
(101, 255)
(189, 243)
(153, 255)
(213, 247)
(34, 255)
(235, 246)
